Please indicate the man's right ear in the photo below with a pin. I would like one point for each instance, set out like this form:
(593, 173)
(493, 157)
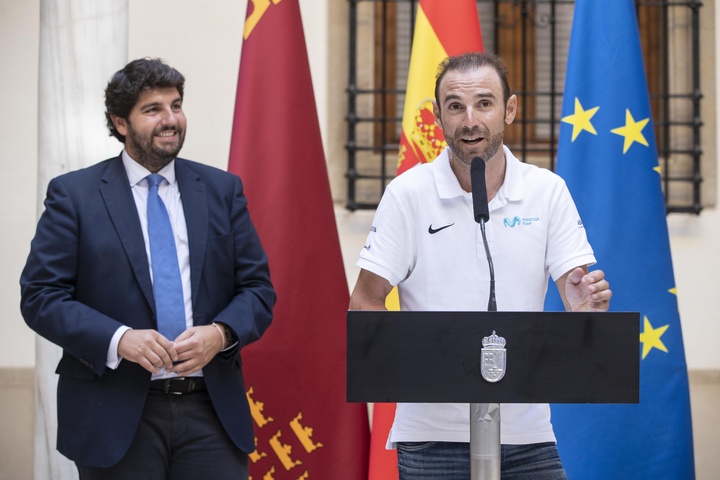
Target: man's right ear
(120, 124)
(436, 112)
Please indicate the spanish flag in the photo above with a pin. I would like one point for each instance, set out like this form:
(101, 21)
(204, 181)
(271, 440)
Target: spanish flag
(443, 28)
(295, 374)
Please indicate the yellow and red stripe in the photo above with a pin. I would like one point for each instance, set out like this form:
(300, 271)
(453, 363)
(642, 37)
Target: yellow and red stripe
(442, 29)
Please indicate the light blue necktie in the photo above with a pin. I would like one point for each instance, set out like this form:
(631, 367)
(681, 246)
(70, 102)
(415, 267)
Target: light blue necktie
(167, 285)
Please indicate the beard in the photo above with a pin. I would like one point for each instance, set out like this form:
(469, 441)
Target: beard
(151, 156)
(462, 151)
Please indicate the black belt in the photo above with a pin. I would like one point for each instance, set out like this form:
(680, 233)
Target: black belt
(179, 385)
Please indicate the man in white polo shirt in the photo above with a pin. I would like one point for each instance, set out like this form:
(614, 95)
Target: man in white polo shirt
(425, 241)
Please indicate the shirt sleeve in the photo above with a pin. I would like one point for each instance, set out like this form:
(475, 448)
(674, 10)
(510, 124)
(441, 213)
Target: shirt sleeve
(113, 357)
(567, 246)
(388, 250)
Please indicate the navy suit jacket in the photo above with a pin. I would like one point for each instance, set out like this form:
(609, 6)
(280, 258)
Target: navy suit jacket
(87, 274)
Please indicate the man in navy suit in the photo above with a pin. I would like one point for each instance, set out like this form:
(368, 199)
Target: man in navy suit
(131, 402)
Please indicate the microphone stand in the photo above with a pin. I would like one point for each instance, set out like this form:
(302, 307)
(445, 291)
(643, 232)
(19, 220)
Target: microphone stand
(492, 305)
(484, 417)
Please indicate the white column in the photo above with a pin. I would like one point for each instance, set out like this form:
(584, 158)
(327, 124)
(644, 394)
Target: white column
(82, 43)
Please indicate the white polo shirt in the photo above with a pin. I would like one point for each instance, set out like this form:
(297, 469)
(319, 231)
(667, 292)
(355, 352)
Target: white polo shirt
(424, 239)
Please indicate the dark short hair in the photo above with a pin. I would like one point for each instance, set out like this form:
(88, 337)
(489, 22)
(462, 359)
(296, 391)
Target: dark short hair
(472, 61)
(126, 85)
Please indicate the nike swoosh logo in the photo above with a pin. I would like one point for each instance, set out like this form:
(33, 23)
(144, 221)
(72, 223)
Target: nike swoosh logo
(436, 230)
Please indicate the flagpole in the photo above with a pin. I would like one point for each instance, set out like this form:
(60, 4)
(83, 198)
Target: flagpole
(485, 441)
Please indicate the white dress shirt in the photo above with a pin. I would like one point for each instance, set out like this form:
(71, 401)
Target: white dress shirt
(170, 195)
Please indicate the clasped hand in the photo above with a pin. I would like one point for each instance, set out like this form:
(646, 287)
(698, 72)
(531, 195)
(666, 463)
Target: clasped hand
(190, 351)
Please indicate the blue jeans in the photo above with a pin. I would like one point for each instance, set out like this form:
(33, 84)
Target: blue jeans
(451, 461)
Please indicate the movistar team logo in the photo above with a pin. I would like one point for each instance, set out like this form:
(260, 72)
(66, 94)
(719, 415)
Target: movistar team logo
(515, 221)
(511, 222)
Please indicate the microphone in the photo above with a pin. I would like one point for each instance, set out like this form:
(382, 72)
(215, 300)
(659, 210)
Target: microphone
(482, 215)
(479, 190)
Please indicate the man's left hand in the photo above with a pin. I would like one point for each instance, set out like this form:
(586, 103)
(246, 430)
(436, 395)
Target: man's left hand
(587, 292)
(196, 346)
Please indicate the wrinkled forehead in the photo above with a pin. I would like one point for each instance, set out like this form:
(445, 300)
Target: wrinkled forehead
(478, 80)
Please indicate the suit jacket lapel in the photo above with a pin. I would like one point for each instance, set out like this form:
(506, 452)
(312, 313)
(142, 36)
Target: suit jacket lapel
(195, 206)
(120, 203)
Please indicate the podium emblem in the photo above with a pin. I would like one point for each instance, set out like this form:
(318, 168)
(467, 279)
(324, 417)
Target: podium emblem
(493, 359)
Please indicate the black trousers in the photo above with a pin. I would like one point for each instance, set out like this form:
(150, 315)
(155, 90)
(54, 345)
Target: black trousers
(179, 438)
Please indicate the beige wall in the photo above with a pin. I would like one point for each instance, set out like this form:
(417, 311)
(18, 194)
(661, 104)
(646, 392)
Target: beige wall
(18, 162)
(203, 40)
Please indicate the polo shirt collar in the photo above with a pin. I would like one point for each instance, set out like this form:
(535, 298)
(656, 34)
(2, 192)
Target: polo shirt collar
(447, 184)
(445, 180)
(513, 187)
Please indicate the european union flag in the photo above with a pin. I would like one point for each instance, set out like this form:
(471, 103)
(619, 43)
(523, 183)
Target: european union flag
(608, 156)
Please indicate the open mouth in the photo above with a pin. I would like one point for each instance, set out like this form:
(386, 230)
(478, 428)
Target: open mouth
(472, 141)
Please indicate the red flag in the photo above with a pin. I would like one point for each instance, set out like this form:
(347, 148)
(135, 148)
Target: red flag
(383, 462)
(441, 30)
(295, 374)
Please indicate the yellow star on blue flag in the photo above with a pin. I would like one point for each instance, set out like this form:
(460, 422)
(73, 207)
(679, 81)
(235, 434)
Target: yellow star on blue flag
(652, 338)
(632, 131)
(607, 154)
(580, 119)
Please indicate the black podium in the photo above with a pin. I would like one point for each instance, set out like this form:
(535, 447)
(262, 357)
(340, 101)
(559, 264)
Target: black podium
(550, 357)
